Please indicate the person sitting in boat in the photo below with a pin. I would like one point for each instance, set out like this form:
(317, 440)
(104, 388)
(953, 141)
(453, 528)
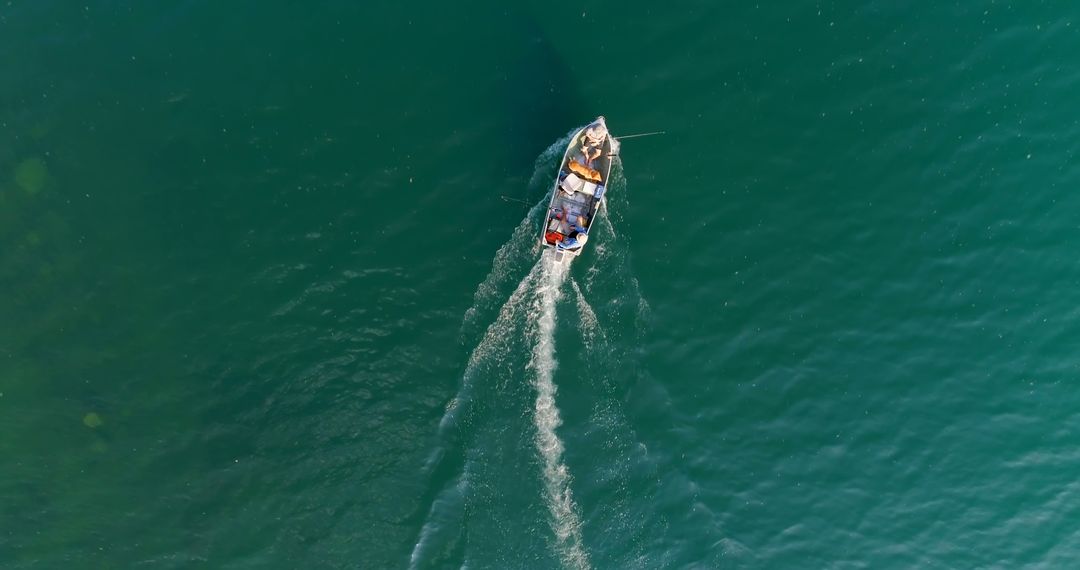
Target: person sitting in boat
(573, 241)
(582, 224)
(591, 142)
(578, 235)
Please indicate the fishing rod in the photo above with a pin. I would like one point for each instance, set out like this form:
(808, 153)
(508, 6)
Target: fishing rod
(509, 199)
(624, 137)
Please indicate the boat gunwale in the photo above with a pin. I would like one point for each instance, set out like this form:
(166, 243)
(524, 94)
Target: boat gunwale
(555, 187)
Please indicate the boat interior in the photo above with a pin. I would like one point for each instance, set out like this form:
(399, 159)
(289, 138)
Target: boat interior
(577, 199)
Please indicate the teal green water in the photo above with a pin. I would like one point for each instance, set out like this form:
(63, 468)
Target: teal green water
(263, 306)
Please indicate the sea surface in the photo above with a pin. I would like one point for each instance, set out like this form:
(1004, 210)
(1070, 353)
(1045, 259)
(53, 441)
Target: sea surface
(270, 295)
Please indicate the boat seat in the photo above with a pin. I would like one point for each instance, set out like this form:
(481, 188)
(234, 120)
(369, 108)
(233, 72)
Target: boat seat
(572, 183)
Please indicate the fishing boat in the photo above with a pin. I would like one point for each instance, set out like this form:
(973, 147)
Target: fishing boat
(579, 190)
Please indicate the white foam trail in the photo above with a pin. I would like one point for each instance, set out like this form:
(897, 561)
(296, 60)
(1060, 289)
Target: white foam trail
(612, 256)
(491, 346)
(501, 267)
(525, 236)
(447, 507)
(590, 325)
(644, 311)
(445, 516)
(508, 254)
(564, 518)
(602, 252)
(609, 227)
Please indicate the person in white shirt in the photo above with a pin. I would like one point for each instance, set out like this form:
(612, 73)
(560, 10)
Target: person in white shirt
(591, 142)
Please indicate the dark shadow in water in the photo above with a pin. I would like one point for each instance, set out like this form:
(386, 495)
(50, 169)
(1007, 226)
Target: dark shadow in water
(540, 95)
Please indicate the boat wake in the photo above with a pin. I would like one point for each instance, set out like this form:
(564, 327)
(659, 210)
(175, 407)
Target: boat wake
(494, 360)
(528, 315)
(565, 522)
(522, 245)
(591, 331)
(510, 369)
(490, 354)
